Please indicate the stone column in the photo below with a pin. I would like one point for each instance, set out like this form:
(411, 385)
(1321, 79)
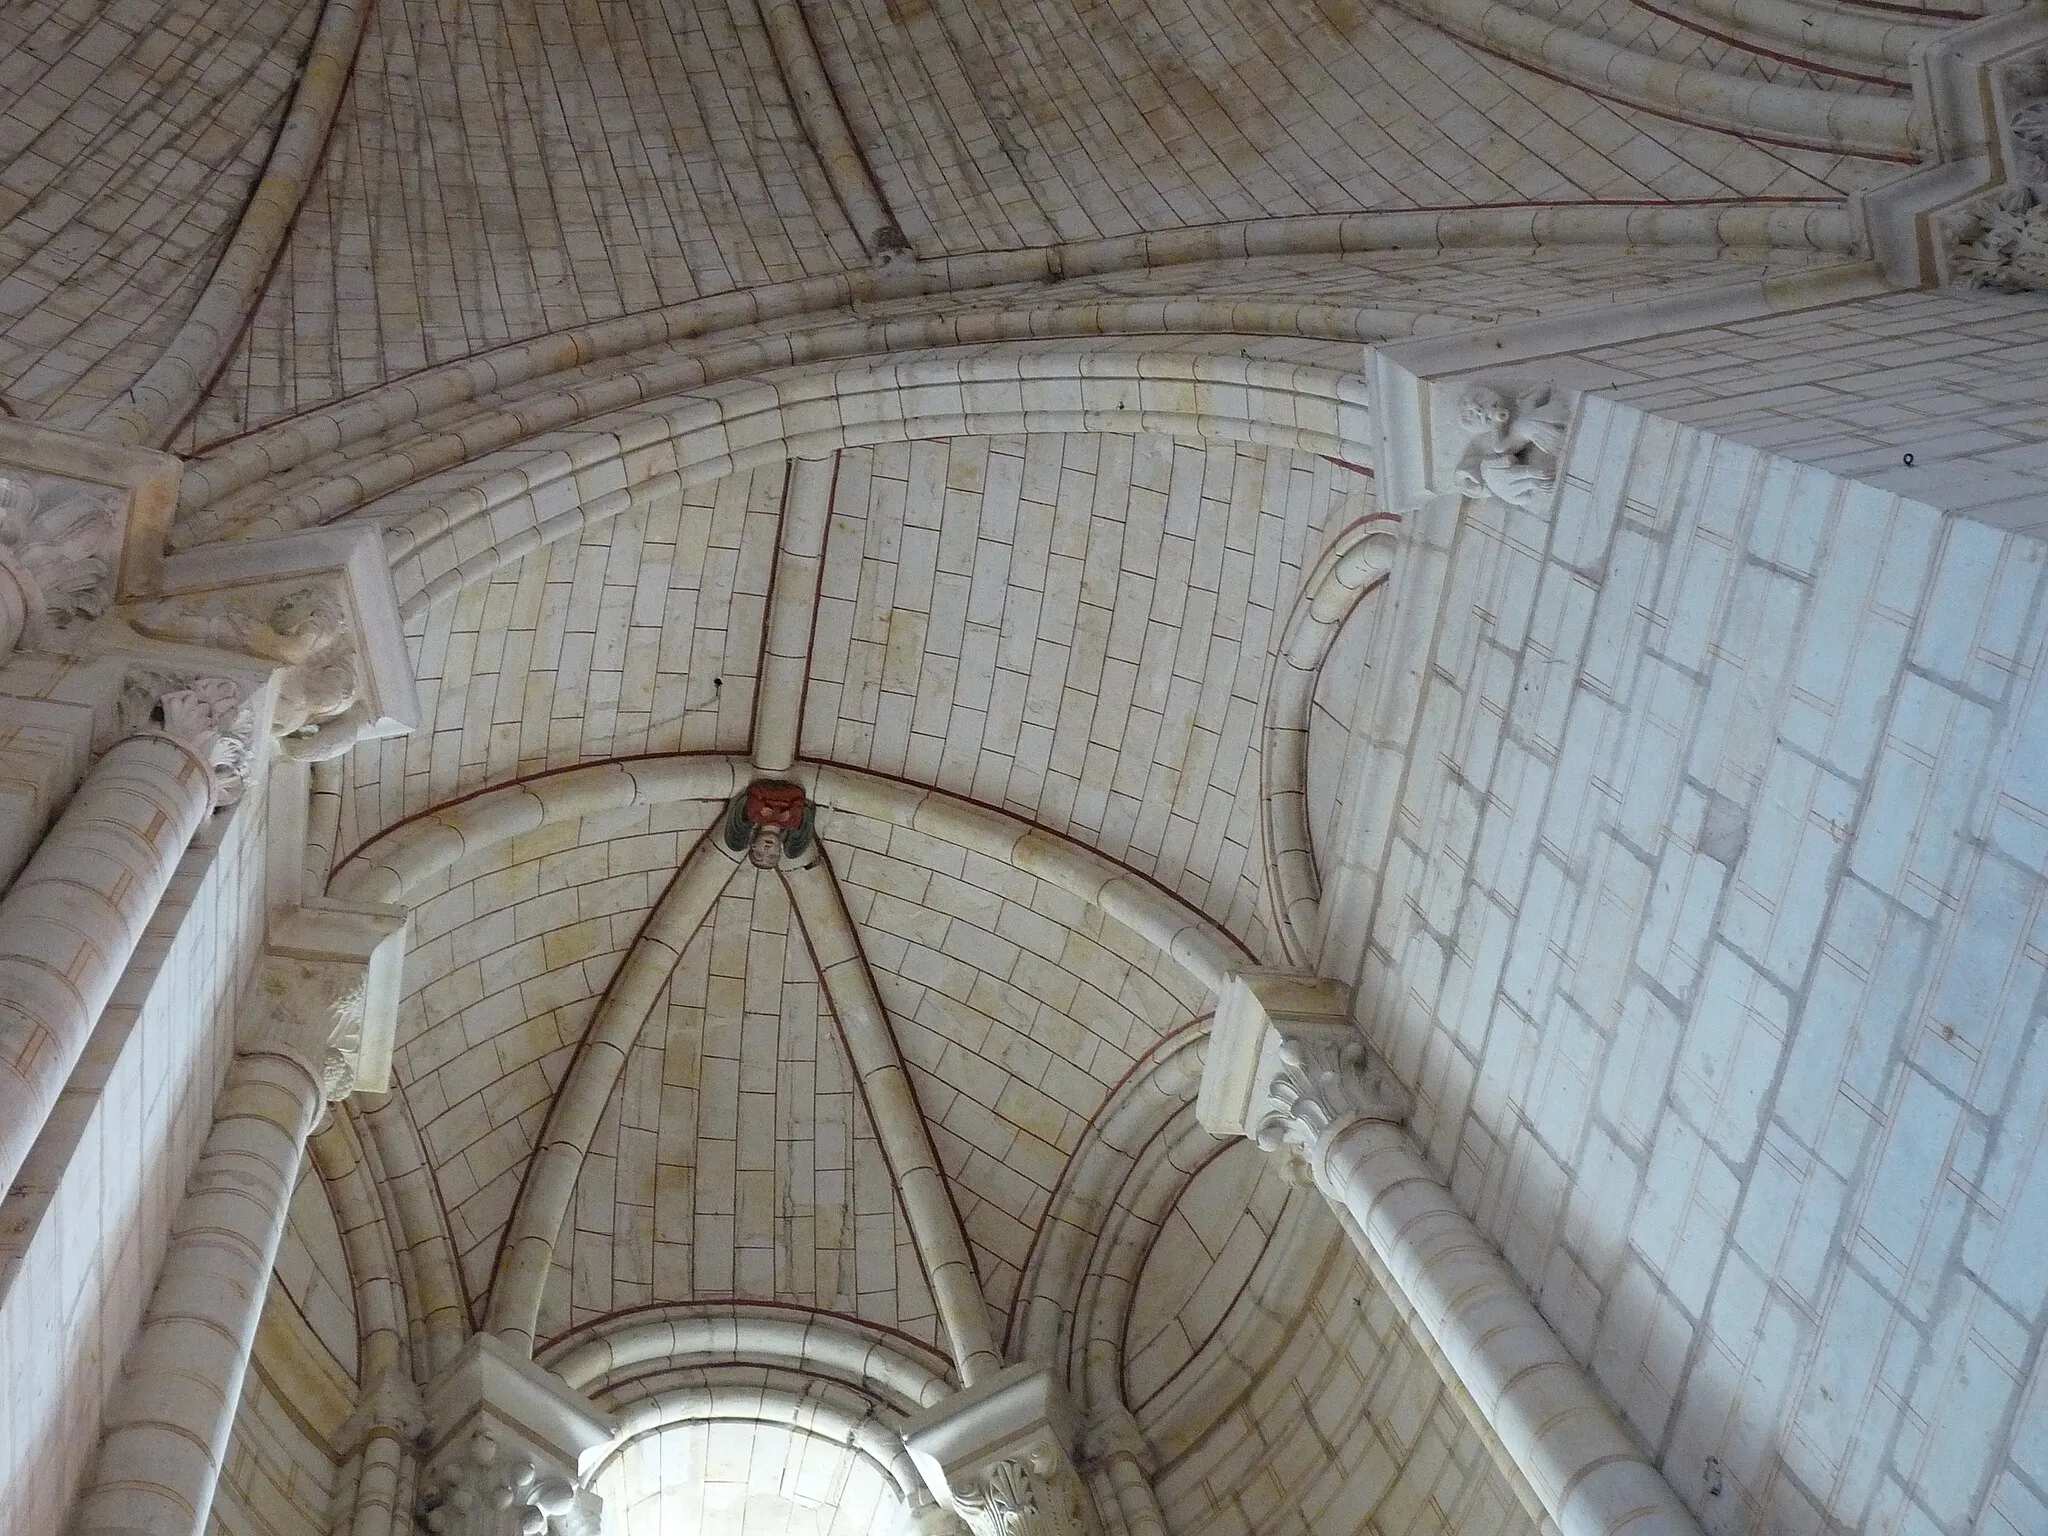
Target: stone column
(167, 1427)
(1122, 1462)
(510, 1441)
(1287, 1066)
(316, 1013)
(391, 1419)
(71, 920)
(1001, 1453)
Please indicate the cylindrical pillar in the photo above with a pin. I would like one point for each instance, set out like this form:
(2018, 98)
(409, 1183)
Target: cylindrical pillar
(1130, 1492)
(388, 1416)
(72, 919)
(387, 1452)
(167, 1426)
(1591, 1476)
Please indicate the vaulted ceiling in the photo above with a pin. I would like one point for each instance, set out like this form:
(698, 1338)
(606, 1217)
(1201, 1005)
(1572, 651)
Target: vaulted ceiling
(573, 298)
(1073, 630)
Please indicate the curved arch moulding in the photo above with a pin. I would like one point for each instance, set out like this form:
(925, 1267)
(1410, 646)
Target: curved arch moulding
(388, 868)
(1205, 388)
(1358, 560)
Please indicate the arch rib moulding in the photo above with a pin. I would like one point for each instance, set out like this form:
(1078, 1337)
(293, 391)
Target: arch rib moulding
(884, 1364)
(552, 374)
(398, 859)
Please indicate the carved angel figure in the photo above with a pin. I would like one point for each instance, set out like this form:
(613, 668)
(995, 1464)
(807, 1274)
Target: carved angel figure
(1514, 447)
(66, 538)
(320, 711)
(769, 821)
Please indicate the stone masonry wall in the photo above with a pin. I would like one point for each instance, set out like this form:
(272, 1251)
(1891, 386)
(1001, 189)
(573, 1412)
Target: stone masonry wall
(1712, 938)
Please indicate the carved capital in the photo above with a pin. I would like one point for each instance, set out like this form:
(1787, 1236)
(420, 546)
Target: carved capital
(327, 993)
(1999, 243)
(1320, 1077)
(484, 1486)
(1112, 1432)
(1000, 1453)
(213, 716)
(1286, 1065)
(1035, 1494)
(391, 1405)
(65, 537)
(2022, 97)
(312, 1009)
(509, 1444)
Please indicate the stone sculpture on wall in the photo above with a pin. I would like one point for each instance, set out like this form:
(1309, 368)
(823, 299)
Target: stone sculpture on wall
(771, 822)
(304, 629)
(1514, 444)
(67, 537)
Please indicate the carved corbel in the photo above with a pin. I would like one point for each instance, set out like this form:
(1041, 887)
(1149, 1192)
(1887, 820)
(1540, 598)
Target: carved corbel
(303, 628)
(317, 606)
(1513, 439)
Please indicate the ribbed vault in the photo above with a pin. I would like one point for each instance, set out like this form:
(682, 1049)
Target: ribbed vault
(955, 409)
(1070, 638)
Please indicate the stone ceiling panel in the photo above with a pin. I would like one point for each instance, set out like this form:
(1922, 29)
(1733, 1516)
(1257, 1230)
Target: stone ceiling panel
(511, 950)
(1200, 1262)
(132, 137)
(1075, 629)
(736, 1158)
(731, 1478)
(1343, 692)
(313, 1271)
(502, 169)
(1017, 1009)
(644, 636)
(998, 123)
(1306, 1400)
